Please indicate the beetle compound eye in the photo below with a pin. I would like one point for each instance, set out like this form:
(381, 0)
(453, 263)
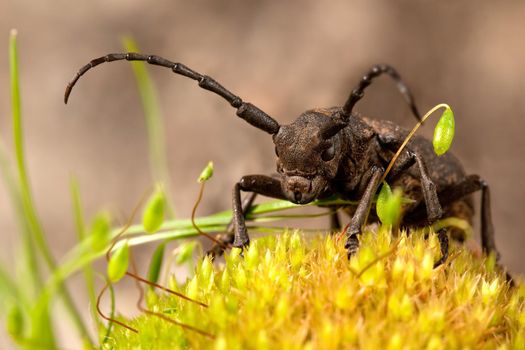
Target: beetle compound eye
(328, 154)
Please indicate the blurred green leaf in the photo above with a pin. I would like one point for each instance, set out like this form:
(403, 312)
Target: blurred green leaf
(42, 326)
(36, 237)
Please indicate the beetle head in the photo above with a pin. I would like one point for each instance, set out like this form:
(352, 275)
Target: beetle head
(309, 153)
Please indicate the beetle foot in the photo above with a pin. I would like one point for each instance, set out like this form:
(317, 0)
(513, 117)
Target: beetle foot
(352, 245)
(509, 279)
(443, 244)
(241, 243)
(218, 249)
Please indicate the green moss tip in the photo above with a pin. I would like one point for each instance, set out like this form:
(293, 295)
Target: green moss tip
(289, 292)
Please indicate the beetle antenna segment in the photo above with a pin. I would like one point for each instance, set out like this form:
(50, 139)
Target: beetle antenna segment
(245, 110)
(359, 91)
(194, 224)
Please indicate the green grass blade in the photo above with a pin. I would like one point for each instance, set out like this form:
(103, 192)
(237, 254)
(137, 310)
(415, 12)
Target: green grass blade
(81, 233)
(42, 335)
(35, 226)
(27, 264)
(83, 253)
(8, 287)
(154, 124)
(256, 212)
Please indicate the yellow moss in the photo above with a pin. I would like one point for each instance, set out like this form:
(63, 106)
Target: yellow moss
(295, 292)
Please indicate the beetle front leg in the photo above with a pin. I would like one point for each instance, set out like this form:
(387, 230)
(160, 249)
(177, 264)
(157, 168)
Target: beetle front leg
(358, 220)
(260, 184)
(226, 239)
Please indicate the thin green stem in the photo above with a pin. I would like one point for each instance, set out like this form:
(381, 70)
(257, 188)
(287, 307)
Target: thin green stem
(407, 139)
(254, 213)
(194, 210)
(154, 124)
(111, 315)
(35, 226)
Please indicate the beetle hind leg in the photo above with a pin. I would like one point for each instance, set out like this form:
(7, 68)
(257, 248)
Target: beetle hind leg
(335, 223)
(443, 244)
(470, 184)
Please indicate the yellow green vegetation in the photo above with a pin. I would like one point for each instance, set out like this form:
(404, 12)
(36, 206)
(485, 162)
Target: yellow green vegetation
(297, 292)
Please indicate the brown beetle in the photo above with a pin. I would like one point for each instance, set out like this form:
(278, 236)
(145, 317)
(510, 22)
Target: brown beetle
(329, 151)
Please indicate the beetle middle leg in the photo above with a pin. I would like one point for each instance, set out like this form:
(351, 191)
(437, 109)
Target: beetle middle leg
(433, 206)
(434, 210)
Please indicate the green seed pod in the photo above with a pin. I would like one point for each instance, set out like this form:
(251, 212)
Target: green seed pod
(15, 322)
(100, 230)
(207, 173)
(382, 199)
(444, 132)
(156, 263)
(118, 263)
(388, 206)
(153, 215)
(185, 252)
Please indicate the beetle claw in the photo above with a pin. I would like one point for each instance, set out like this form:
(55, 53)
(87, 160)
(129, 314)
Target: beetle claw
(352, 245)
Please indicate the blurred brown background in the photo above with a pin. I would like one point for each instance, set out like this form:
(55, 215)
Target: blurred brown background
(285, 57)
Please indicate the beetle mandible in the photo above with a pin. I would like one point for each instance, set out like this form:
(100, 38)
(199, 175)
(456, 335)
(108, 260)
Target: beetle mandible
(328, 151)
